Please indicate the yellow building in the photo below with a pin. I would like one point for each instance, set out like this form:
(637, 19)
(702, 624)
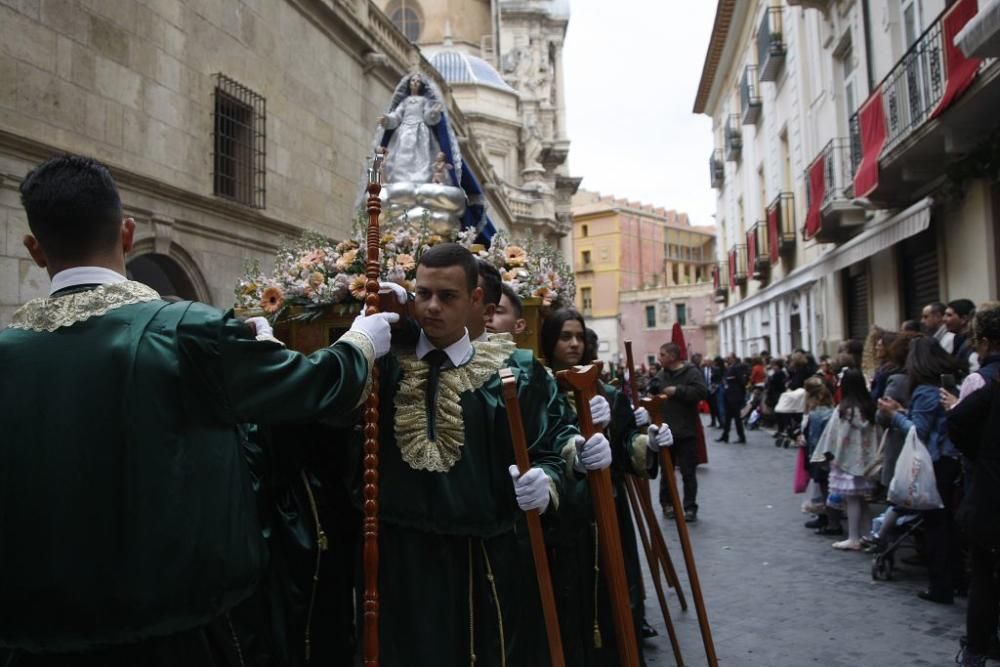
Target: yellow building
(618, 246)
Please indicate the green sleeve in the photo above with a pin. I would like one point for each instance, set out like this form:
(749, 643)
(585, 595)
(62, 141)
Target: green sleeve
(260, 381)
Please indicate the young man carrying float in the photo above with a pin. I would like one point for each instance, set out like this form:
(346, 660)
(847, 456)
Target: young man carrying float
(452, 584)
(129, 525)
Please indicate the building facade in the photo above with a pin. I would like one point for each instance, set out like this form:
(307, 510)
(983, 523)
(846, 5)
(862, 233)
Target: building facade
(503, 61)
(228, 125)
(631, 260)
(847, 139)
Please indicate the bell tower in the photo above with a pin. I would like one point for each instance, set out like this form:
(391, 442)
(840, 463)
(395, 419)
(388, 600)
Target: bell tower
(428, 22)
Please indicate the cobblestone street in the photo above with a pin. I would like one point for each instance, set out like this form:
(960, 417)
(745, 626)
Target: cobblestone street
(777, 594)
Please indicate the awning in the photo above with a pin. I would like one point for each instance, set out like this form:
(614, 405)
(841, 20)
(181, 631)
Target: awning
(981, 35)
(879, 236)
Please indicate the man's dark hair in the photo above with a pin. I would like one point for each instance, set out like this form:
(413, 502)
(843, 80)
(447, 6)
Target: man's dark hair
(515, 301)
(73, 207)
(671, 348)
(445, 255)
(937, 307)
(489, 280)
(962, 307)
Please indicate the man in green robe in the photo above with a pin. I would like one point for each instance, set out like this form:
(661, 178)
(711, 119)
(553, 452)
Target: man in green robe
(452, 585)
(128, 526)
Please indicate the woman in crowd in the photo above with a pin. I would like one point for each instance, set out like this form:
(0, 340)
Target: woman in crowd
(850, 444)
(880, 341)
(926, 364)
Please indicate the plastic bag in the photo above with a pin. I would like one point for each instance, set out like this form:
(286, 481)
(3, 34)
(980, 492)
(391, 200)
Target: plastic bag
(913, 484)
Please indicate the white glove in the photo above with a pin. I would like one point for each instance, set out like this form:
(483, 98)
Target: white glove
(600, 412)
(660, 437)
(401, 296)
(641, 417)
(594, 454)
(262, 329)
(376, 329)
(531, 489)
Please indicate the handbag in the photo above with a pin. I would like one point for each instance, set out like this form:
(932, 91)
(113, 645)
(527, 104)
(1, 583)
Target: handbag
(874, 469)
(801, 473)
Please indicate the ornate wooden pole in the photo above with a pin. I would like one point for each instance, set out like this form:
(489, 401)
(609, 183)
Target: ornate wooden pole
(667, 463)
(370, 478)
(582, 380)
(509, 384)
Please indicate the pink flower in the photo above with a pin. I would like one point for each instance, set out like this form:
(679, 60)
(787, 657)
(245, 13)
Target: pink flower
(312, 258)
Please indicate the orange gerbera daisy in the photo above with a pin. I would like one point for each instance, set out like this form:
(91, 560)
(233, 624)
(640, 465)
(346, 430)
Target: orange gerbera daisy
(272, 299)
(316, 279)
(515, 256)
(406, 262)
(357, 287)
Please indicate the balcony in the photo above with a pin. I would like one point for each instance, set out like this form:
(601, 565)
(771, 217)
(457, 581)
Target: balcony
(934, 106)
(770, 45)
(720, 282)
(750, 95)
(831, 216)
(821, 5)
(734, 138)
(759, 251)
(738, 265)
(781, 222)
(717, 168)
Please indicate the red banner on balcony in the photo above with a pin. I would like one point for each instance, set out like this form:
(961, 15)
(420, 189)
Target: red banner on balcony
(960, 71)
(773, 233)
(751, 248)
(732, 269)
(871, 118)
(817, 190)
(715, 277)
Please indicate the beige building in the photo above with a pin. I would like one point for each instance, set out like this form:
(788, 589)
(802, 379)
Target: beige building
(846, 136)
(228, 125)
(629, 256)
(503, 61)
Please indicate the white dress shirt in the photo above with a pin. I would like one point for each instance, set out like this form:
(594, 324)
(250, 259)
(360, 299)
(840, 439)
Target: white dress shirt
(84, 275)
(946, 338)
(459, 353)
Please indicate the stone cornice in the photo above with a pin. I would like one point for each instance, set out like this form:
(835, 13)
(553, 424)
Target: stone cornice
(717, 44)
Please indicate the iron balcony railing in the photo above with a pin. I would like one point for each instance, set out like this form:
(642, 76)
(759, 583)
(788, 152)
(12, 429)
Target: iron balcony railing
(782, 208)
(720, 280)
(738, 260)
(717, 168)
(750, 95)
(838, 172)
(734, 138)
(771, 44)
(760, 257)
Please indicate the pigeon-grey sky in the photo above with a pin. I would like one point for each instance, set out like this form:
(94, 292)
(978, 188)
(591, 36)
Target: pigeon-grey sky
(632, 69)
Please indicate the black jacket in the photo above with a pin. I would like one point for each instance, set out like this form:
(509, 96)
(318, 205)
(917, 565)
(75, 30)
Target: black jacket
(974, 427)
(737, 377)
(681, 411)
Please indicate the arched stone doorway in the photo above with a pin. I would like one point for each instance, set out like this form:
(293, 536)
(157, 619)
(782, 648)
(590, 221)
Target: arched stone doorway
(164, 274)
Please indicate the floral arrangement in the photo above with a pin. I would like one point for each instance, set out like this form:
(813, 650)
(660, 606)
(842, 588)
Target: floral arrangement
(313, 272)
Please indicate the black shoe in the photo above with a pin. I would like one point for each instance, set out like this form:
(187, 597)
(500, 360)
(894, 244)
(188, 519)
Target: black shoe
(993, 653)
(830, 530)
(668, 511)
(723, 438)
(741, 441)
(648, 631)
(691, 515)
(933, 597)
(818, 522)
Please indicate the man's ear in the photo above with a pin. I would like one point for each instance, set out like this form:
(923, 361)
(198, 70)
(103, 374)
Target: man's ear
(128, 235)
(477, 296)
(489, 309)
(520, 325)
(35, 250)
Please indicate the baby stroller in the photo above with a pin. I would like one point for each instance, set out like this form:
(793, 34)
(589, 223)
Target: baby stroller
(903, 535)
(791, 405)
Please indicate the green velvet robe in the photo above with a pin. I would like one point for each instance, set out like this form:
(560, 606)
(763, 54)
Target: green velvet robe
(581, 592)
(126, 509)
(453, 580)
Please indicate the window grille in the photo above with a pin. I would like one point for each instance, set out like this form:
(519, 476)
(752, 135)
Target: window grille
(240, 142)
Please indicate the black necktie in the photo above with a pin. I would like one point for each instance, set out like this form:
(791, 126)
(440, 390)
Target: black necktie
(435, 360)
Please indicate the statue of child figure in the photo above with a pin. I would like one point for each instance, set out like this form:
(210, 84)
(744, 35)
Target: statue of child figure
(440, 170)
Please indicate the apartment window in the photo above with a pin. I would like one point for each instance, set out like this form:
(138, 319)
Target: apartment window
(604, 253)
(240, 141)
(650, 360)
(406, 15)
(682, 317)
(586, 258)
(586, 231)
(587, 298)
(650, 317)
(850, 86)
(913, 20)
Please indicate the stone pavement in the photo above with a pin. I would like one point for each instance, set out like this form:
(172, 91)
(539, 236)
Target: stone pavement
(777, 594)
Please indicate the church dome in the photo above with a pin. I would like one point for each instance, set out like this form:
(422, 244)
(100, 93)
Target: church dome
(458, 67)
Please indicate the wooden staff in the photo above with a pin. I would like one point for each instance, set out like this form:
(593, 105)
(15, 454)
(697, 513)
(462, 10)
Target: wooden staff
(582, 380)
(651, 559)
(370, 478)
(659, 544)
(667, 463)
(509, 384)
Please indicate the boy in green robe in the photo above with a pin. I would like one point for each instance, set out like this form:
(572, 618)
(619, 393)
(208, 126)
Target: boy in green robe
(451, 582)
(128, 528)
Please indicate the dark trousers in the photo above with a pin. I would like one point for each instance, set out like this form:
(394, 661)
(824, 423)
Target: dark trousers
(713, 407)
(944, 562)
(984, 598)
(733, 414)
(685, 455)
